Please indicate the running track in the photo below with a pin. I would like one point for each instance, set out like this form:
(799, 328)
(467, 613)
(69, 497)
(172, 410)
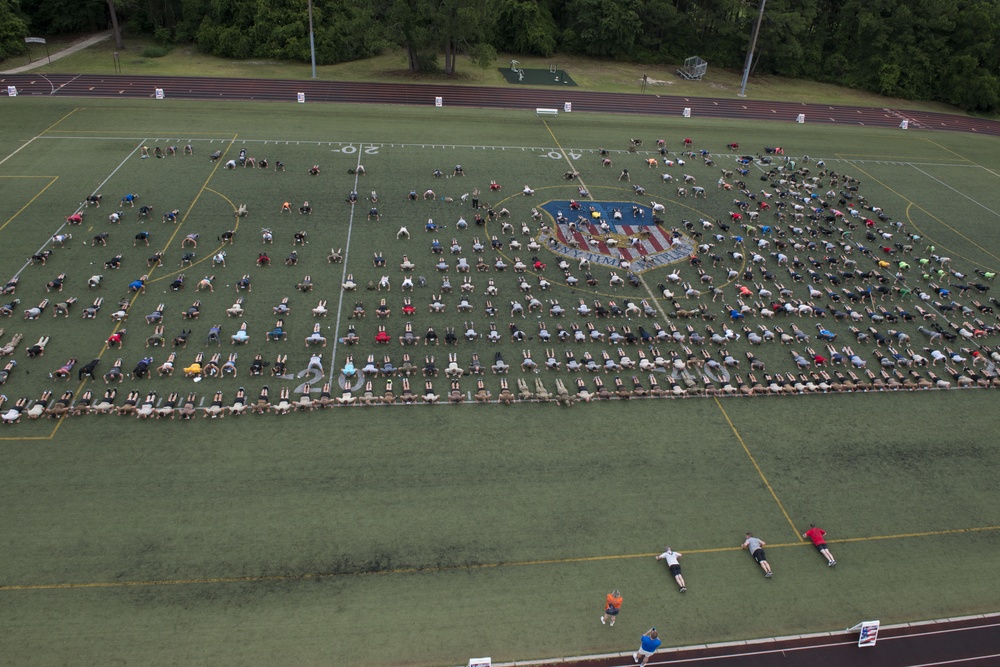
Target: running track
(967, 642)
(196, 88)
(971, 642)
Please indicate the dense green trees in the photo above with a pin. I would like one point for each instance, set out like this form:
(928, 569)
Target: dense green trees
(279, 29)
(427, 28)
(946, 50)
(13, 29)
(525, 26)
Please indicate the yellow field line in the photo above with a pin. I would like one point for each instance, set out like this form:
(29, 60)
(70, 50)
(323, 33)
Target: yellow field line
(566, 157)
(208, 255)
(177, 229)
(32, 200)
(760, 472)
(180, 224)
(455, 568)
(911, 203)
(59, 121)
(929, 533)
(945, 148)
(937, 244)
(652, 295)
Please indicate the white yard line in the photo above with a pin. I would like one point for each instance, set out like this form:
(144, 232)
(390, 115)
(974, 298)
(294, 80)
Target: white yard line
(343, 274)
(23, 146)
(78, 209)
(956, 191)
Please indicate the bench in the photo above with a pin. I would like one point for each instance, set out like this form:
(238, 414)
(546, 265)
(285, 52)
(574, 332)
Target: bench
(546, 112)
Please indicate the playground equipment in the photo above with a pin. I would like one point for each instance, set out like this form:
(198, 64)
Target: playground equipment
(515, 67)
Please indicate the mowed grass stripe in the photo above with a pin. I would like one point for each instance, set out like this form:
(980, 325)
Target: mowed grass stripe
(756, 466)
(479, 566)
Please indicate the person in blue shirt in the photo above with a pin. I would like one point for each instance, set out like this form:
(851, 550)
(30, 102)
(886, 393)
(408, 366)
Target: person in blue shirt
(277, 333)
(650, 642)
(241, 336)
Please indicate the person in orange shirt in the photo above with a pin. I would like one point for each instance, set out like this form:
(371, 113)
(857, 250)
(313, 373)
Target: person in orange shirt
(612, 606)
(286, 207)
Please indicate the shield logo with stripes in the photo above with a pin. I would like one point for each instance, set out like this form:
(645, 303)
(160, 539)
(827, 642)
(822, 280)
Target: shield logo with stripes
(617, 234)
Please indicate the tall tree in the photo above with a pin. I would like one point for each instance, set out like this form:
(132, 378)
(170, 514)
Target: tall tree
(411, 23)
(525, 26)
(719, 29)
(467, 26)
(13, 29)
(54, 17)
(787, 45)
(119, 42)
(426, 28)
(603, 27)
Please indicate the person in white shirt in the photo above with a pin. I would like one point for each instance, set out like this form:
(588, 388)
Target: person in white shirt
(672, 557)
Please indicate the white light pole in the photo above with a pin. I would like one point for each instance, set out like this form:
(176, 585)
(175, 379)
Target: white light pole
(753, 45)
(312, 42)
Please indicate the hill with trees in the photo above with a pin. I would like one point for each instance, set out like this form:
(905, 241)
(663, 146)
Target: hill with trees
(940, 50)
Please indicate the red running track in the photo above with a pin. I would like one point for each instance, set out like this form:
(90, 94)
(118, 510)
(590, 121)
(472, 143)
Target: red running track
(197, 88)
(973, 642)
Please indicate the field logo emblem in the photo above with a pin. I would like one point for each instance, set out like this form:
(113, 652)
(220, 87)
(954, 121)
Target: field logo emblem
(633, 237)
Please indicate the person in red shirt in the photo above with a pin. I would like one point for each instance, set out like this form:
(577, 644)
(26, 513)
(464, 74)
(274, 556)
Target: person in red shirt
(816, 535)
(612, 605)
(382, 336)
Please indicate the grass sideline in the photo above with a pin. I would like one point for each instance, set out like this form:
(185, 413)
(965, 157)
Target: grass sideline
(403, 518)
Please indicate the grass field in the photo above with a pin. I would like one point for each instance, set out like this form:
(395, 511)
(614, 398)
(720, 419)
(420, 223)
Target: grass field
(429, 534)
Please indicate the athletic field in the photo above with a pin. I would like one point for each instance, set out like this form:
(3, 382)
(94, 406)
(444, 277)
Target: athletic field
(429, 534)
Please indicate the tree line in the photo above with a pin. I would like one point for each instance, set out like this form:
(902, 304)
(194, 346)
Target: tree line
(942, 50)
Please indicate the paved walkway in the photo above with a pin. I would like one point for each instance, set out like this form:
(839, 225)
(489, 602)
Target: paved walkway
(72, 48)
